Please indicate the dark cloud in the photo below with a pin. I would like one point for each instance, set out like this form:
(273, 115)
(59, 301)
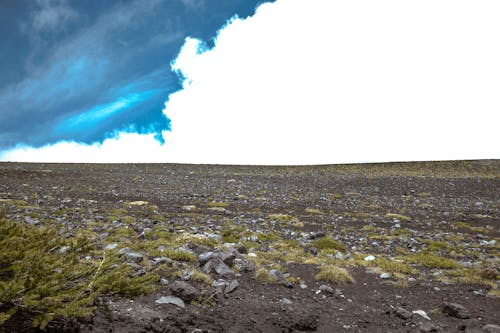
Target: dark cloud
(92, 57)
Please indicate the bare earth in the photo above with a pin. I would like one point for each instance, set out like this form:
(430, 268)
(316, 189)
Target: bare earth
(272, 230)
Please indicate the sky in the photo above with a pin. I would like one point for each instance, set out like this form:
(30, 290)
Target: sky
(249, 82)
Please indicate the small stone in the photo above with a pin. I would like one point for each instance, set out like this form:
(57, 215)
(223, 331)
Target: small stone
(184, 290)
(171, 300)
(135, 257)
(369, 258)
(186, 275)
(164, 281)
(326, 289)
(427, 326)
(286, 301)
(455, 310)
(385, 276)
(111, 246)
(243, 265)
(217, 265)
(303, 286)
(491, 328)
(232, 286)
(313, 250)
(402, 313)
(422, 314)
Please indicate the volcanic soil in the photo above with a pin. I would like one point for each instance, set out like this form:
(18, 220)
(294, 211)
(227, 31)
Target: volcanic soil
(397, 247)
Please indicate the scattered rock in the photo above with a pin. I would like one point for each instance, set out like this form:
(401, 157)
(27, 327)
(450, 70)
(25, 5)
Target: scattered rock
(111, 246)
(427, 326)
(171, 300)
(243, 265)
(286, 301)
(231, 286)
(402, 313)
(184, 290)
(385, 276)
(369, 258)
(491, 328)
(134, 257)
(455, 310)
(422, 314)
(218, 266)
(326, 289)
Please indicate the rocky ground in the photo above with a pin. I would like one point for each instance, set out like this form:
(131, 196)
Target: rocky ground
(402, 247)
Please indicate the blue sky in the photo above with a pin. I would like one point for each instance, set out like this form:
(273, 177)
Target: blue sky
(249, 82)
(82, 70)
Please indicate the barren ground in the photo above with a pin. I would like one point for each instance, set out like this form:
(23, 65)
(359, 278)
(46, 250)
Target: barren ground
(242, 246)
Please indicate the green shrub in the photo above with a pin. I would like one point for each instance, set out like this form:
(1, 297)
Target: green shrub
(47, 275)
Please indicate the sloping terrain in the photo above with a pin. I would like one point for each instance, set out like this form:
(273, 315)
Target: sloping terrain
(398, 247)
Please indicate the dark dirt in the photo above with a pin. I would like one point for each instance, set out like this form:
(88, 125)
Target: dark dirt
(391, 211)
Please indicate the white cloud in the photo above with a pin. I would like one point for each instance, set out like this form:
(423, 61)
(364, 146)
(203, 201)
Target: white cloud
(322, 81)
(124, 148)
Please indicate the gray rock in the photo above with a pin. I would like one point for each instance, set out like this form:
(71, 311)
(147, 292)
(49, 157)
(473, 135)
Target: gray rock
(171, 300)
(455, 310)
(385, 276)
(161, 260)
(243, 265)
(313, 250)
(402, 313)
(427, 326)
(491, 328)
(326, 289)
(205, 257)
(232, 286)
(218, 266)
(134, 256)
(111, 246)
(278, 276)
(184, 290)
(285, 301)
(186, 275)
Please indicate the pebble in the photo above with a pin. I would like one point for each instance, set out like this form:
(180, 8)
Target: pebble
(402, 313)
(184, 290)
(171, 300)
(286, 301)
(422, 314)
(427, 326)
(491, 328)
(369, 258)
(455, 310)
(111, 246)
(385, 276)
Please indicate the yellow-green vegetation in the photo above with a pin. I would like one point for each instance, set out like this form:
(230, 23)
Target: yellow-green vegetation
(230, 236)
(51, 276)
(397, 267)
(327, 243)
(218, 204)
(472, 276)
(398, 216)
(291, 220)
(334, 274)
(201, 277)
(433, 261)
(314, 211)
(282, 217)
(262, 275)
(465, 225)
